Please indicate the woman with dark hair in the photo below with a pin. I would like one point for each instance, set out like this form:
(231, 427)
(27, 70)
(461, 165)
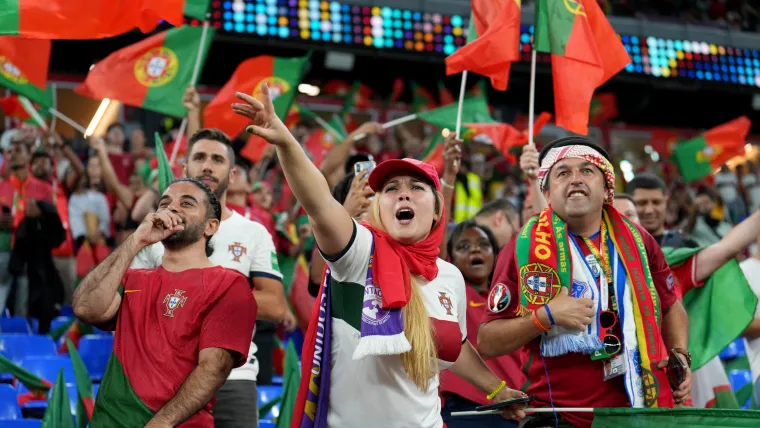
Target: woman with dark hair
(473, 249)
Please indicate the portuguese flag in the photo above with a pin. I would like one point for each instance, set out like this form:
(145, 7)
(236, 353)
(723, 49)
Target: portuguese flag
(152, 74)
(422, 99)
(493, 42)
(699, 157)
(433, 154)
(37, 386)
(85, 19)
(85, 400)
(58, 412)
(683, 417)
(586, 52)
(24, 67)
(291, 382)
(474, 110)
(197, 8)
(21, 109)
(504, 137)
(281, 74)
(165, 173)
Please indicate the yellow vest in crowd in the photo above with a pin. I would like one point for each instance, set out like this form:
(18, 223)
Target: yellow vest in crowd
(468, 201)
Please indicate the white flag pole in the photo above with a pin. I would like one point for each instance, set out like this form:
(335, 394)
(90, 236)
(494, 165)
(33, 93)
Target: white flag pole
(54, 119)
(532, 96)
(68, 120)
(461, 104)
(529, 410)
(390, 124)
(193, 79)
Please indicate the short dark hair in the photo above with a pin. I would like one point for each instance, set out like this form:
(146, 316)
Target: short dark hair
(646, 180)
(213, 135)
(625, 196)
(20, 143)
(116, 125)
(573, 140)
(213, 207)
(39, 155)
(341, 190)
(460, 228)
(502, 205)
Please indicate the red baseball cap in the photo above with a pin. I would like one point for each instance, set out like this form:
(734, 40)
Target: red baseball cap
(381, 172)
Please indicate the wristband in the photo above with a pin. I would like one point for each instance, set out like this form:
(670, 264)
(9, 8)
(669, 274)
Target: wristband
(445, 184)
(492, 395)
(538, 323)
(549, 314)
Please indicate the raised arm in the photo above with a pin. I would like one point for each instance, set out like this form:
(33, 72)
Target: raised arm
(452, 159)
(331, 222)
(192, 102)
(214, 365)
(735, 241)
(122, 192)
(96, 299)
(529, 165)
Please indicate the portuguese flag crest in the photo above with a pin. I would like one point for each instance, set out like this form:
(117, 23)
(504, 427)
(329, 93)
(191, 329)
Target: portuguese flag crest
(151, 74)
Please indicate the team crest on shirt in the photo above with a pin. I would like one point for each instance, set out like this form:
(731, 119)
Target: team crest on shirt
(445, 302)
(671, 282)
(174, 301)
(539, 283)
(498, 298)
(237, 251)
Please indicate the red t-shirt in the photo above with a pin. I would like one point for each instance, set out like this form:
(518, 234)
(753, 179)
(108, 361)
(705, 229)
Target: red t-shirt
(158, 347)
(506, 368)
(576, 380)
(123, 166)
(685, 275)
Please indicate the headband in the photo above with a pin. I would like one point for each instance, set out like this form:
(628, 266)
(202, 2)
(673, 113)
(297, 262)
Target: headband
(579, 152)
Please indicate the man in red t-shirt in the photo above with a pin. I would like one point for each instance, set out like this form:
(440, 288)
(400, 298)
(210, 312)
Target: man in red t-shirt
(578, 181)
(180, 328)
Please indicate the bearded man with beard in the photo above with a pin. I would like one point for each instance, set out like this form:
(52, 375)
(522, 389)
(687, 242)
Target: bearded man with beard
(245, 246)
(180, 328)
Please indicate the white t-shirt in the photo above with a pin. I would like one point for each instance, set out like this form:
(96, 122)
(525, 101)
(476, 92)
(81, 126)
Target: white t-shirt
(752, 187)
(727, 184)
(751, 269)
(239, 244)
(379, 391)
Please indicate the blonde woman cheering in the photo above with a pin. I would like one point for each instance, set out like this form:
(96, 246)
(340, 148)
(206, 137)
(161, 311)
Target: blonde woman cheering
(390, 314)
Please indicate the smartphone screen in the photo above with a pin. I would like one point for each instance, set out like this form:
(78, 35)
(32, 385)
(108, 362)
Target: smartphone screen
(361, 166)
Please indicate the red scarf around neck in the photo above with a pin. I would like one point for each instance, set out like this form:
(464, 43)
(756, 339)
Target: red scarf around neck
(393, 260)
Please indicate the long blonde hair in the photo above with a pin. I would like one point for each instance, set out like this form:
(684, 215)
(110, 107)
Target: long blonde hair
(421, 362)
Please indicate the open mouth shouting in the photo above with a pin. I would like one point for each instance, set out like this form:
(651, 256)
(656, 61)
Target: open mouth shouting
(404, 215)
(577, 194)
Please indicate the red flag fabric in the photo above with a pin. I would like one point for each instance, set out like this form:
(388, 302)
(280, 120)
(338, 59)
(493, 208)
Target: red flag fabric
(28, 58)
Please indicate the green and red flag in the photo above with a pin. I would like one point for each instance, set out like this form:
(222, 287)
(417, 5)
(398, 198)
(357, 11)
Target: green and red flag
(444, 95)
(74, 333)
(359, 97)
(603, 108)
(504, 137)
(20, 108)
(282, 75)
(298, 294)
(291, 381)
(585, 53)
(58, 412)
(24, 68)
(422, 99)
(433, 154)
(165, 173)
(152, 74)
(493, 42)
(396, 91)
(85, 397)
(85, 19)
(197, 9)
(333, 126)
(683, 417)
(474, 110)
(37, 386)
(699, 157)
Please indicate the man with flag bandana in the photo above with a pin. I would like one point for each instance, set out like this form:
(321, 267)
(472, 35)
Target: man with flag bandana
(579, 289)
(180, 328)
(242, 245)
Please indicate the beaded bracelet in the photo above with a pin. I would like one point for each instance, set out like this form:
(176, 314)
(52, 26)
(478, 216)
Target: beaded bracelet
(492, 395)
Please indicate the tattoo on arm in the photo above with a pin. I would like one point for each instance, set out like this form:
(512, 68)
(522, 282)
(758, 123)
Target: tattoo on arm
(198, 389)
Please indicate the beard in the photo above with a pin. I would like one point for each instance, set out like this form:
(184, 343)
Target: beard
(190, 235)
(221, 185)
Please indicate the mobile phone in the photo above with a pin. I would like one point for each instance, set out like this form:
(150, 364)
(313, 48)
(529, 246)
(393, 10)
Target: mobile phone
(506, 403)
(676, 370)
(365, 165)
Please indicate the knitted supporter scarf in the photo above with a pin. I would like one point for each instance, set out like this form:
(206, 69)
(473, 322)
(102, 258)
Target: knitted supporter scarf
(545, 261)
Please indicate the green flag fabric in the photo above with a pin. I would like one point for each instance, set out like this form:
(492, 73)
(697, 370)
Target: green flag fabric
(197, 9)
(719, 311)
(334, 126)
(682, 417)
(474, 110)
(85, 398)
(165, 174)
(58, 412)
(29, 380)
(691, 161)
(291, 380)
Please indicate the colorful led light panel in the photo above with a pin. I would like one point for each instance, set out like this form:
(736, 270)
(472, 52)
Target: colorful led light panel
(335, 22)
(666, 58)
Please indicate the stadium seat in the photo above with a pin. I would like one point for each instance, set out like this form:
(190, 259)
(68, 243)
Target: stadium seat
(734, 350)
(67, 311)
(15, 325)
(16, 346)
(267, 424)
(59, 321)
(276, 380)
(9, 408)
(95, 351)
(22, 423)
(47, 367)
(268, 393)
(739, 378)
(34, 323)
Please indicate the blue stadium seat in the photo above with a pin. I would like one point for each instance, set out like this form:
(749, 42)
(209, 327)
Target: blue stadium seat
(268, 393)
(67, 311)
(733, 350)
(276, 380)
(267, 424)
(59, 321)
(34, 323)
(95, 351)
(15, 325)
(739, 378)
(48, 368)
(22, 423)
(16, 346)
(9, 408)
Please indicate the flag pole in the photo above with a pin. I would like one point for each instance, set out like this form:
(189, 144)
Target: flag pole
(390, 124)
(33, 112)
(462, 88)
(529, 410)
(7, 119)
(54, 119)
(68, 120)
(532, 96)
(193, 80)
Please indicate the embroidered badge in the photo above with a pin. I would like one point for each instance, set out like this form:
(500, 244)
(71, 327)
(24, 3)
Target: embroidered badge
(237, 251)
(445, 302)
(498, 298)
(174, 301)
(539, 283)
(579, 289)
(651, 387)
(671, 282)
